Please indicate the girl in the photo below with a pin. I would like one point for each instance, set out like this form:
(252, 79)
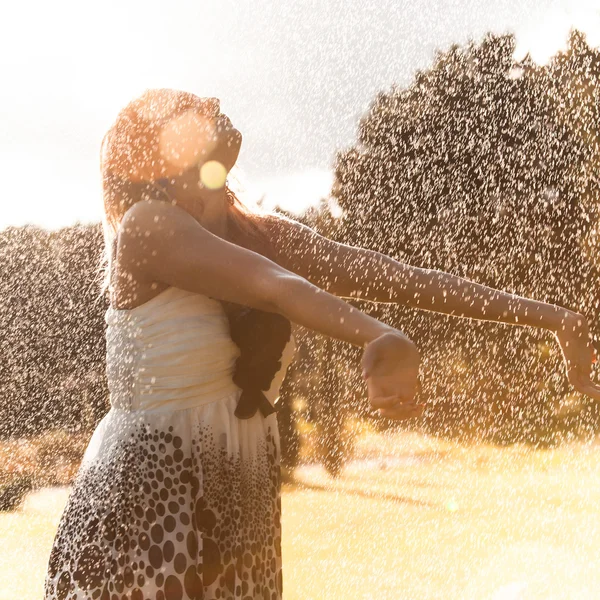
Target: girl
(178, 494)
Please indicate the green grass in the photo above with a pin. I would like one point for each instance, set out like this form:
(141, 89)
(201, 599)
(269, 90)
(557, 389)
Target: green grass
(411, 518)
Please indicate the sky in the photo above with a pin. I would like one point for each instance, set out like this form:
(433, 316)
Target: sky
(294, 77)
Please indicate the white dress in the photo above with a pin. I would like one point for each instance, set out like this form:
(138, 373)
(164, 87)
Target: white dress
(176, 498)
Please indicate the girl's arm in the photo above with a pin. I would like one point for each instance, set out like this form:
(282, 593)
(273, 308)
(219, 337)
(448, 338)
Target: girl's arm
(162, 243)
(159, 242)
(352, 272)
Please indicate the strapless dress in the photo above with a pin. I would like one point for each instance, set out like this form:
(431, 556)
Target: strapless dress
(176, 498)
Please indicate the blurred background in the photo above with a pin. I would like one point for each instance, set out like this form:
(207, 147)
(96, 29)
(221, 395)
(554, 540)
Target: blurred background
(459, 136)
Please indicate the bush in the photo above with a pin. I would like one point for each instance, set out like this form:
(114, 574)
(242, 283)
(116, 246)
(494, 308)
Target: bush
(13, 490)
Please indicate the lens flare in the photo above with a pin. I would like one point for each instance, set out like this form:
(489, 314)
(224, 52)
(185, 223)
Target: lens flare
(185, 138)
(213, 175)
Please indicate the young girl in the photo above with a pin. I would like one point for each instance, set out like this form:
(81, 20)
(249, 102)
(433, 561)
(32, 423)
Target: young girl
(178, 494)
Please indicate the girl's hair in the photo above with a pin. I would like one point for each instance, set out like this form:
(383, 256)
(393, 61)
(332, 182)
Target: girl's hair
(246, 221)
(129, 140)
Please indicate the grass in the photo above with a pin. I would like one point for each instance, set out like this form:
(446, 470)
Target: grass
(411, 518)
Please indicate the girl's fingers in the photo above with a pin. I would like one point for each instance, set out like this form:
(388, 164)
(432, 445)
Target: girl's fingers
(384, 401)
(393, 401)
(403, 412)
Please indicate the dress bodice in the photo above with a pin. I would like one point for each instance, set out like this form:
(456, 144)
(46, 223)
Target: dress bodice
(174, 352)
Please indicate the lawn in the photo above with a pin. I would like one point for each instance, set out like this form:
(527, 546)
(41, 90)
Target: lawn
(411, 518)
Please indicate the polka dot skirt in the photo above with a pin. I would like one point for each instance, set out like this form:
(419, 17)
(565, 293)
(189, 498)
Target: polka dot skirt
(170, 506)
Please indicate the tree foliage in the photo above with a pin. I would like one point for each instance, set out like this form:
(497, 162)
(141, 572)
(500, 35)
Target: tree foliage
(488, 169)
(52, 344)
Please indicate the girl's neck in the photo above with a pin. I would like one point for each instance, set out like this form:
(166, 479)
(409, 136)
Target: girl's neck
(214, 212)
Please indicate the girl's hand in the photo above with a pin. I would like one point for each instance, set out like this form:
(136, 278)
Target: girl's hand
(576, 344)
(390, 366)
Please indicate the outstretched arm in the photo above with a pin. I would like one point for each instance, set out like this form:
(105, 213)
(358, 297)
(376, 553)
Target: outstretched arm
(352, 272)
(159, 242)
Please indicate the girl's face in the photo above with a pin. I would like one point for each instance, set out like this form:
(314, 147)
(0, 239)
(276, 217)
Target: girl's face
(228, 142)
(226, 138)
(215, 160)
(199, 135)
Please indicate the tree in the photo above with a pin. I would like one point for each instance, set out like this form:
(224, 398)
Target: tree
(488, 169)
(51, 330)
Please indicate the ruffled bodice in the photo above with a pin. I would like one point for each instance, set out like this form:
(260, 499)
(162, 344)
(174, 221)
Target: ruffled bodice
(174, 352)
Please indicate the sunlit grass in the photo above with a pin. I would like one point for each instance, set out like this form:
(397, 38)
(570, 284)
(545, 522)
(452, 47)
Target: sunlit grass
(25, 538)
(411, 518)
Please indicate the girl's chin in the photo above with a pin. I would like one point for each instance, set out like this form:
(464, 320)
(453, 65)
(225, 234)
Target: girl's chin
(227, 155)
